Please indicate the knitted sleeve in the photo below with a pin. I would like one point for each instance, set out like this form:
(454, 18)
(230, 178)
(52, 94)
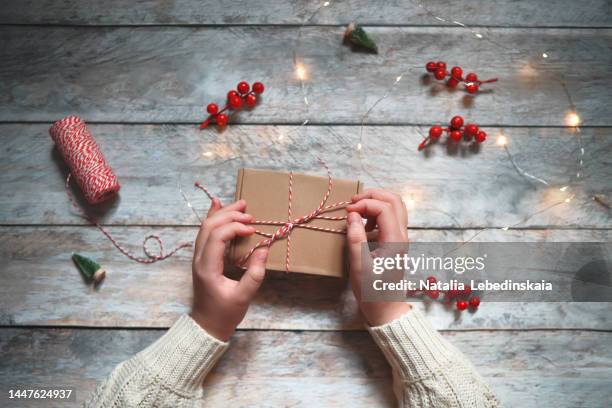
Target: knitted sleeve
(168, 373)
(427, 370)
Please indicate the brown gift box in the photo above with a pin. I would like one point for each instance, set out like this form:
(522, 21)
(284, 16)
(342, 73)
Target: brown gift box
(267, 195)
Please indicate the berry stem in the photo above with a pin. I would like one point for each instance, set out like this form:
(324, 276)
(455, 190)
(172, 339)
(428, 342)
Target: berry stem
(488, 81)
(424, 143)
(229, 108)
(205, 123)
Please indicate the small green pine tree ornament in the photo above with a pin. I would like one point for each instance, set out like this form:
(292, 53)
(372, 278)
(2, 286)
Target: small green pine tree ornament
(357, 36)
(89, 268)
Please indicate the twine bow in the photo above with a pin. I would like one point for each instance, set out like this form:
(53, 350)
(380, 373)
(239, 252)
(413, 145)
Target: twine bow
(286, 227)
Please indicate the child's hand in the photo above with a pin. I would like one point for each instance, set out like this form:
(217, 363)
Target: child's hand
(387, 210)
(220, 303)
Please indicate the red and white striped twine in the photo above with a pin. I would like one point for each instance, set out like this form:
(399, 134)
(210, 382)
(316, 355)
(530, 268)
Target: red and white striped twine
(83, 156)
(150, 256)
(96, 179)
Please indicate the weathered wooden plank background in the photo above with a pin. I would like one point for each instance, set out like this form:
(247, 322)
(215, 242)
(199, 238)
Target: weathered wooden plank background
(44, 290)
(140, 74)
(483, 191)
(167, 74)
(518, 13)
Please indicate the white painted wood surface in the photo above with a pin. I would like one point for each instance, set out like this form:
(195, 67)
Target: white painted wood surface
(521, 13)
(169, 74)
(444, 187)
(42, 287)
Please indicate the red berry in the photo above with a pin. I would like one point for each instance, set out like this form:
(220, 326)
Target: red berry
(212, 108)
(435, 131)
(441, 65)
(440, 74)
(471, 77)
(452, 82)
(462, 304)
(471, 88)
(471, 130)
(235, 102)
(456, 72)
(222, 119)
(434, 294)
(243, 87)
(456, 135)
(456, 122)
(231, 94)
(431, 280)
(258, 87)
(481, 136)
(452, 293)
(475, 302)
(431, 66)
(251, 100)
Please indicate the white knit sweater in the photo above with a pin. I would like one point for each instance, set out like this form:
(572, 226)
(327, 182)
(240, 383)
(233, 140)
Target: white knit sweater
(427, 370)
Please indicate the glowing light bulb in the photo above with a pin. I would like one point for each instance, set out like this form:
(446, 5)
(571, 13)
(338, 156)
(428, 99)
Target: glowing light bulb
(326, 4)
(501, 140)
(281, 137)
(505, 228)
(544, 55)
(300, 71)
(572, 119)
(207, 154)
(359, 146)
(399, 78)
(478, 35)
(563, 188)
(567, 200)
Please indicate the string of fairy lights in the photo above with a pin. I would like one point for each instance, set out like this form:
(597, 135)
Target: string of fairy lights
(572, 119)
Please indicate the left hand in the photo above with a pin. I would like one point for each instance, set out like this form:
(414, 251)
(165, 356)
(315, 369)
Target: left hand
(220, 303)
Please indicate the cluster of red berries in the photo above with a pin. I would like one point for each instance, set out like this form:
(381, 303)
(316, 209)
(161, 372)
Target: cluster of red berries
(462, 298)
(472, 83)
(456, 132)
(235, 100)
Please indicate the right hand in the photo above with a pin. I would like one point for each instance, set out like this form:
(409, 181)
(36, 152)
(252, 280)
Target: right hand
(387, 211)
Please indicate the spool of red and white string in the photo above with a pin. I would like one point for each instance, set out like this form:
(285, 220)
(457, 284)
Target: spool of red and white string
(83, 156)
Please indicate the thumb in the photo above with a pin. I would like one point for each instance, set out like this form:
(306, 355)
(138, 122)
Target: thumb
(356, 236)
(254, 275)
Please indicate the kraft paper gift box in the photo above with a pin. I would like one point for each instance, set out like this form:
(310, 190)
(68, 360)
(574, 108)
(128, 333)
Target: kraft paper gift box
(267, 196)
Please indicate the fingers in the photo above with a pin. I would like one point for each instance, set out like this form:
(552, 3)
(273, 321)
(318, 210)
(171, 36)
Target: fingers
(239, 205)
(214, 248)
(386, 218)
(394, 199)
(220, 217)
(215, 205)
(254, 275)
(382, 195)
(356, 237)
